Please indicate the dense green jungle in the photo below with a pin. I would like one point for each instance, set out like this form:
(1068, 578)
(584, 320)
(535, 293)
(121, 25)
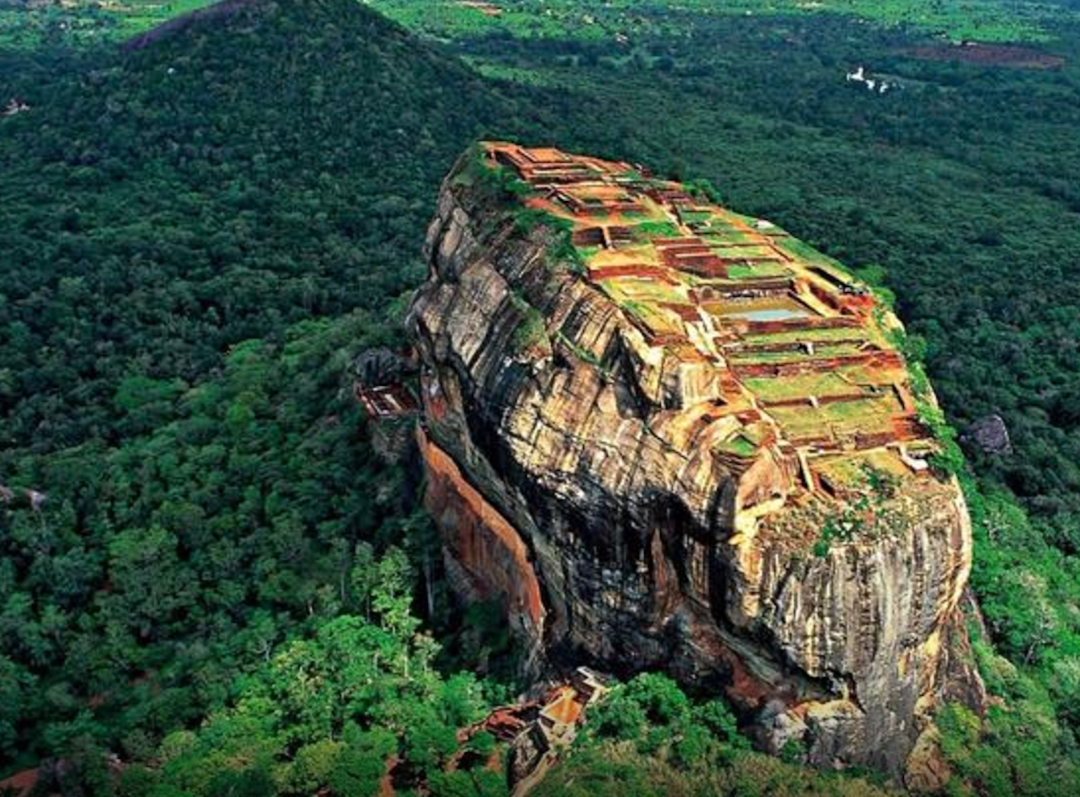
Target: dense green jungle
(209, 585)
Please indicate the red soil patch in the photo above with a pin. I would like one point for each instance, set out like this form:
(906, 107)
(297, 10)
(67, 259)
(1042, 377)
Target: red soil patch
(642, 270)
(386, 783)
(488, 9)
(564, 706)
(990, 55)
(687, 312)
(21, 782)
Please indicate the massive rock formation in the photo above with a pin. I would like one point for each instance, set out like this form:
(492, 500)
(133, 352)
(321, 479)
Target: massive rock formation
(671, 436)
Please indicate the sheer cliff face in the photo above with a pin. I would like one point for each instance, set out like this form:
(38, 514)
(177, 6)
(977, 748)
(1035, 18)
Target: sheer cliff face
(687, 444)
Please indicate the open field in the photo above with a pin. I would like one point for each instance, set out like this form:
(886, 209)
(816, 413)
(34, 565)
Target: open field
(89, 22)
(990, 55)
(979, 20)
(85, 23)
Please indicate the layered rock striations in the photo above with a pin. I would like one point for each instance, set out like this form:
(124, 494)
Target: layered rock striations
(671, 436)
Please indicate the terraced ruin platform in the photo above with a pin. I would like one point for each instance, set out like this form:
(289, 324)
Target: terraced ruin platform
(772, 333)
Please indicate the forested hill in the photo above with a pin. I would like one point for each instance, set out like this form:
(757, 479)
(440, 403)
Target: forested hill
(216, 183)
(197, 235)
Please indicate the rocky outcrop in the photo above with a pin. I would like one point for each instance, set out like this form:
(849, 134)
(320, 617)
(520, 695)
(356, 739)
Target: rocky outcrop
(639, 506)
(989, 435)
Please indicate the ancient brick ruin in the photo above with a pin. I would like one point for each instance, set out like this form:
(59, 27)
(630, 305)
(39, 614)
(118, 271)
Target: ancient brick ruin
(804, 359)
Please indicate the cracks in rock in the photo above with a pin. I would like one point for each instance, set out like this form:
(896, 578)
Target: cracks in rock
(851, 692)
